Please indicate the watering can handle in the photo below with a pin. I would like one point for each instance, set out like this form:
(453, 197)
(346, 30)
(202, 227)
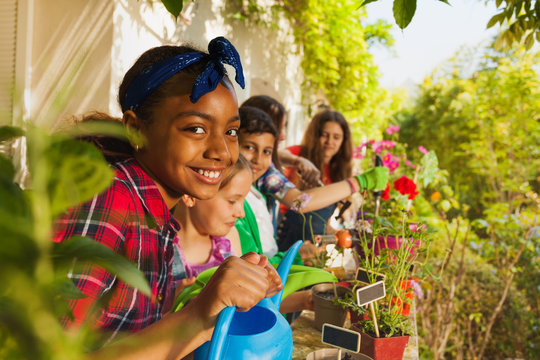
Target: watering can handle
(283, 271)
(220, 333)
(225, 317)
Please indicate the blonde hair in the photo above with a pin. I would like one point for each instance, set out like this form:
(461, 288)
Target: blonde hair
(241, 164)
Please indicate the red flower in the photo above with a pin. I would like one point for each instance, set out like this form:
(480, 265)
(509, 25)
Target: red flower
(406, 186)
(386, 192)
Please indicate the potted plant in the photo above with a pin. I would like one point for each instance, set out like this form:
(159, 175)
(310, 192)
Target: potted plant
(325, 304)
(390, 248)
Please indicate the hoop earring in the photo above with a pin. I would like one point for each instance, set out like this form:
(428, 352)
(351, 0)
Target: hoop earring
(189, 201)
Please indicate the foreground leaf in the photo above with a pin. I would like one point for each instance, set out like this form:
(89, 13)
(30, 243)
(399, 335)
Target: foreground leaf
(10, 132)
(403, 12)
(173, 6)
(78, 172)
(86, 249)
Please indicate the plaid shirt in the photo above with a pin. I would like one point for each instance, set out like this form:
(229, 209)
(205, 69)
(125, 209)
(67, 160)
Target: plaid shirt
(131, 218)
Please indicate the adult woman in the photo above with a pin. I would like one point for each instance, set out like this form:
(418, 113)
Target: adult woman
(327, 144)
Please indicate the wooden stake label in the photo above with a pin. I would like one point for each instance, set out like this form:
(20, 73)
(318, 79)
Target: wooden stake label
(370, 293)
(341, 338)
(364, 276)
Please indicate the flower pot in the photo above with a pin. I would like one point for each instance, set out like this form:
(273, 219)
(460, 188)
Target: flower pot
(383, 243)
(331, 354)
(383, 348)
(324, 308)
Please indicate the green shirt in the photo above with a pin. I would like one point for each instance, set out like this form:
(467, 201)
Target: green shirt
(248, 231)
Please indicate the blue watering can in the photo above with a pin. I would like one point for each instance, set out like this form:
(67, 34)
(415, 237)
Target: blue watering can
(260, 333)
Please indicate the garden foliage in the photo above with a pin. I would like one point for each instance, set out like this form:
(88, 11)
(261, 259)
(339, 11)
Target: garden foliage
(480, 114)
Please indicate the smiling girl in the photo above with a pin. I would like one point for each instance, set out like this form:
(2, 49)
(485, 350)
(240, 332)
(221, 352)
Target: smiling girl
(182, 103)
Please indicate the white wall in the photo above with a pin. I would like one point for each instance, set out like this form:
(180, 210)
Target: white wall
(267, 54)
(80, 49)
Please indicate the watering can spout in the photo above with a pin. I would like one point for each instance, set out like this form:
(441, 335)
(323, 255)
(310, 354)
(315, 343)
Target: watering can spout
(280, 328)
(283, 271)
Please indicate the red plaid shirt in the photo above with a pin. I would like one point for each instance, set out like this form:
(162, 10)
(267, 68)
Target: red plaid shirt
(131, 218)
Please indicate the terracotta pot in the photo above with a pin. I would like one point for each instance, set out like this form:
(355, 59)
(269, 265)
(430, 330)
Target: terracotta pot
(382, 348)
(324, 308)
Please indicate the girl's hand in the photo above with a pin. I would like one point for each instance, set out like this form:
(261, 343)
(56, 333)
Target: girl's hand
(297, 301)
(240, 282)
(184, 283)
(308, 300)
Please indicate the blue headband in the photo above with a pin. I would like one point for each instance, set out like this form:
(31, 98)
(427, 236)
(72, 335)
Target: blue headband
(221, 51)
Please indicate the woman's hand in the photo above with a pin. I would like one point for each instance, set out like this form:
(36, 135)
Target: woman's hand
(308, 172)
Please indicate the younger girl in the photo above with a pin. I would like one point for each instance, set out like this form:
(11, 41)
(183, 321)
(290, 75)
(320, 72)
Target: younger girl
(205, 223)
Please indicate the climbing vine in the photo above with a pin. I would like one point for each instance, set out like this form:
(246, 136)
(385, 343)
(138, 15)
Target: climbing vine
(334, 43)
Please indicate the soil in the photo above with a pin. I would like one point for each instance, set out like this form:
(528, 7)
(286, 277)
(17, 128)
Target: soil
(329, 295)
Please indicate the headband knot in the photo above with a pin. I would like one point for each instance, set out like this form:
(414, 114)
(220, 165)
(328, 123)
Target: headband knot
(221, 51)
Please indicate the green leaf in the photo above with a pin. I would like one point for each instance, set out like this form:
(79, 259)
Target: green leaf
(7, 170)
(403, 12)
(445, 1)
(529, 41)
(65, 288)
(10, 132)
(173, 6)
(365, 2)
(429, 165)
(300, 276)
(78, 172)
(100, 128)
(12, 199)
(445, 205)
(494, 20)
(14, 316)
(303, 276)
(86, 249)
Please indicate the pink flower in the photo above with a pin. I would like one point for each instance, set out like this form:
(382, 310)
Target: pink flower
(390, 161)
(423, 150)
(392, 129)
(417, 228)
(358, 152)
(409, 164)
(382, 145)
